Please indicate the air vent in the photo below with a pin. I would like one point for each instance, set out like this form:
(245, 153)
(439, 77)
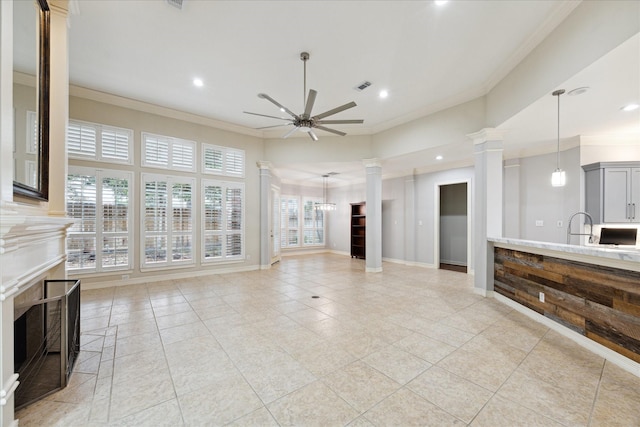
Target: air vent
(176, 3)
(362, 86)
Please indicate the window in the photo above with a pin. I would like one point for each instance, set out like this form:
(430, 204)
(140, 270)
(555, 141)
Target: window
(222, 160)
(222, 220)
(99, 142)
(32, 133)
(297, 231)
(313, 233)
(167, 229)
(99, 201)
(289, 225)
(165, 152)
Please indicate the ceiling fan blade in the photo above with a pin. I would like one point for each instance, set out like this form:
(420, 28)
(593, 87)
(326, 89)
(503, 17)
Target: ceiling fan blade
(274, 126)
(310, 101)
(334, 111)
(277, 104)
(312, 135)
(337, 132)
(286, 135)
(265, 115)
(339, 122)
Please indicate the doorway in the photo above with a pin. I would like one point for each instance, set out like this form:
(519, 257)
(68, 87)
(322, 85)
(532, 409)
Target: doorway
(453, 227)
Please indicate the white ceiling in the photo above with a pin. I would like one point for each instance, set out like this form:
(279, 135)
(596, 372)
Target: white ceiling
(428, 57)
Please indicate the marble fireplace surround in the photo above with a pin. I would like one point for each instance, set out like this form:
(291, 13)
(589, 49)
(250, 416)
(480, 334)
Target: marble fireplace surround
(32, 249)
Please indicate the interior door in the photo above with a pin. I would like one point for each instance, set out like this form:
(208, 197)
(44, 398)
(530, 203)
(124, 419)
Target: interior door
(275, 224)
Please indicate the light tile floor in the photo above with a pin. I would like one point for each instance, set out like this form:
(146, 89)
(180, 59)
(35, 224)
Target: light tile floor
(409, 346)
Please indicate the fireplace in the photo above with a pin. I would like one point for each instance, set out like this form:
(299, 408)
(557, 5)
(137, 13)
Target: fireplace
(46, 338)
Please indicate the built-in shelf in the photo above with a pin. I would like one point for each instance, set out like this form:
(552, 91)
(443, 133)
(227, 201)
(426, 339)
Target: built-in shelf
(358, 230)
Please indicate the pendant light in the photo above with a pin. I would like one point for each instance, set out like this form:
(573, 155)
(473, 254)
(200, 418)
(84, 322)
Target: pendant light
(325, 206)
(558, 178)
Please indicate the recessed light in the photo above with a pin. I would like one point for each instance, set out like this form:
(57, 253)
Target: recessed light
(198, 82)
(578, 91)
(383, 94)
(282, 109)
(440, 2)
(630, 107)
(439, 157)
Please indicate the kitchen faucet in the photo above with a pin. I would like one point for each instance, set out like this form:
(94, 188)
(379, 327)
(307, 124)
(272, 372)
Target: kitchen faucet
(569, 233)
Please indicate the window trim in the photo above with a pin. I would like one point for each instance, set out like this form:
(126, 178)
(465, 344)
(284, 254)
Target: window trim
(98, 154)
(301, 200)
(224, 170)
(224, 232)
(171, 141)
(99, 174)
(302, 228)
(170, 263)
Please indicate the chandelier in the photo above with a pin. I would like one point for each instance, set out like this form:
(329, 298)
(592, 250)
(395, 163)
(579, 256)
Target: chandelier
(325, 206)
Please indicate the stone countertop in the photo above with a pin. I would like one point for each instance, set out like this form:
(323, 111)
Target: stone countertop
(624, 255)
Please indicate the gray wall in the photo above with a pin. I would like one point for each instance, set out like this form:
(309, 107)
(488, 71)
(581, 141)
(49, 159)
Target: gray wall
(539, 201)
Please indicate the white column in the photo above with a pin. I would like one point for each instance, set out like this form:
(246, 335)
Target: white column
(488, 206)
(410, 219)
(373, 234)
(6, 101)
(265, 226)
(512, 198)
(59, 107)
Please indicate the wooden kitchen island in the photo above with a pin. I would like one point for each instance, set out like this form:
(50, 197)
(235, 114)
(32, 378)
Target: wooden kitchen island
(589, 294)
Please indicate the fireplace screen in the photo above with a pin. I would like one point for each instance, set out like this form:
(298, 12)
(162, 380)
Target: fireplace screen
(46, 340)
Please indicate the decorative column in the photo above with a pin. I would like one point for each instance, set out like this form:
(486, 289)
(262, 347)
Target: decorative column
(373, 234)
(410, 219)
(511, 198)
(487, 204)
(6, 103)
(265, 226)
(59, 107)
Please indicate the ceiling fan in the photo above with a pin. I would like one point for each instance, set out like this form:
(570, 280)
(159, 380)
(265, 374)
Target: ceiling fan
(305, 122)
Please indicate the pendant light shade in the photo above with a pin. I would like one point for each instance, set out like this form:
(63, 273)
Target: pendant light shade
(558, 177)
(325, 206)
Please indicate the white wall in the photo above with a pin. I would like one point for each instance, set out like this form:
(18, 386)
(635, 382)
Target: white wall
(594, 28)
(603, 151)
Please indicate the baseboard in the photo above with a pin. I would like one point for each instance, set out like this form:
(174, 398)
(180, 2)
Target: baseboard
(304, 252)
(409, 263)
(162, 276)
(483, 292)
(602, 351)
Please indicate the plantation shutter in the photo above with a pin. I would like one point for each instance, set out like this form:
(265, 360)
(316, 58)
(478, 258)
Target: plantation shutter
(115, 144)
(81, 140)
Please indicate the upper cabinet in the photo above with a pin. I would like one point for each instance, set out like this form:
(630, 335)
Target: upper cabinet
(613, 191)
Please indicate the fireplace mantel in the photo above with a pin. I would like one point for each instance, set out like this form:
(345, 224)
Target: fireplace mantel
(32, 248)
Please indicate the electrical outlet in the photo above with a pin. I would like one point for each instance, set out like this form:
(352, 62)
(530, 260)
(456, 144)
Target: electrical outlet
(559, 223)
(541, 296)
(125, 277)
(539, 223)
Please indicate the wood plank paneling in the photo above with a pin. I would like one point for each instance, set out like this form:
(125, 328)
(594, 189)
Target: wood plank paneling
(602, 303)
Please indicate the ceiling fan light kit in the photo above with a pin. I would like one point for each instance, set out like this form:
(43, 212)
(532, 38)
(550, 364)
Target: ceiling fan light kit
(305, 122)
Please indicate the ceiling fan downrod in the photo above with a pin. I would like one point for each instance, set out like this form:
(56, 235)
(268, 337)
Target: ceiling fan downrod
(305, 57)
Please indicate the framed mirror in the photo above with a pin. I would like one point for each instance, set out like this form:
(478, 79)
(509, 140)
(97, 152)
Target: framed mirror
(31, 98)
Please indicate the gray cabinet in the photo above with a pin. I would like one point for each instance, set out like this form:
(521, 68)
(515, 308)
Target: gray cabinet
(613, 191)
